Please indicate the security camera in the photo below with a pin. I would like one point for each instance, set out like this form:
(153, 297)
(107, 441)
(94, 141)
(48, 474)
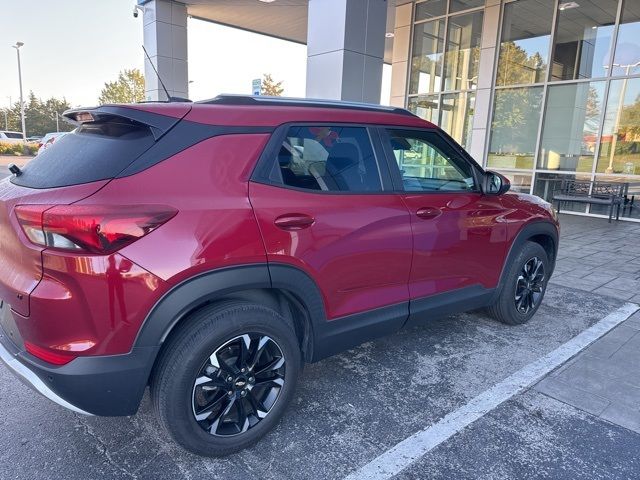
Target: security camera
(136, 10)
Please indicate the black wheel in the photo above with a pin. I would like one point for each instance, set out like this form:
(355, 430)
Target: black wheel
(524, 286)
(226, 378)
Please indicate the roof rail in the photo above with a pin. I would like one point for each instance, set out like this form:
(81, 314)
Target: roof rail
(233, 99)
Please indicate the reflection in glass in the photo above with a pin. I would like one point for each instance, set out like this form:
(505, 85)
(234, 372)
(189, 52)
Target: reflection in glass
(425, 106)
(426, 63)
(583, 40)
(620, 141)
(571, 122)
(459, 5)
(430, 9)
(514, 127)
(520, 181)
(463, 52)
(524, 49)
(631, 206)
(456, 116)
(546, 183)
(626, 61)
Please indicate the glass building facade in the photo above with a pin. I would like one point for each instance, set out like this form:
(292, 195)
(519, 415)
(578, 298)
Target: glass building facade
(541, 90)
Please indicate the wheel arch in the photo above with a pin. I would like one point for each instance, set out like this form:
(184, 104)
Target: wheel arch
(543, 233)
(286, 289)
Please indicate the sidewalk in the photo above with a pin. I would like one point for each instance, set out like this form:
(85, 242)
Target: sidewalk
(604, 380)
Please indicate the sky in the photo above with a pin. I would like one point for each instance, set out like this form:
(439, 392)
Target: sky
(72, 47)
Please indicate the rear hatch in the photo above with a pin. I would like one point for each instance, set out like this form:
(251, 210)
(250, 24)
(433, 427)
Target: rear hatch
(108, 139)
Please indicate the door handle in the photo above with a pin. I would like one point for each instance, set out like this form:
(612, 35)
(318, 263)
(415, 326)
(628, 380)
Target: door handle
(294, 221)
(427, 213)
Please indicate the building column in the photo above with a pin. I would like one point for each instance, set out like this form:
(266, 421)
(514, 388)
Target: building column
(484, 91)
(165, 38)
(400, 59)
(345, 49)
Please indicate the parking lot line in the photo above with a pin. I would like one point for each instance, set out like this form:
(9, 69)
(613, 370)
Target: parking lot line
(403, 454)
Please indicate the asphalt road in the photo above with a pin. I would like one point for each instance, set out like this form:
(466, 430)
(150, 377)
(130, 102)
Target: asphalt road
(353, 407)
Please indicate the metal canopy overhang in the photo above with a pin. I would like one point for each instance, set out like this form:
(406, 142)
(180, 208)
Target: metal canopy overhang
(285, 19)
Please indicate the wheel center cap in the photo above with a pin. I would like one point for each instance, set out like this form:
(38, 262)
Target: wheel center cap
(241, 382)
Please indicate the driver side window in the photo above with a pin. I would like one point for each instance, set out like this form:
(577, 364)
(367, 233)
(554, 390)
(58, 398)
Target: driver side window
(428, 163)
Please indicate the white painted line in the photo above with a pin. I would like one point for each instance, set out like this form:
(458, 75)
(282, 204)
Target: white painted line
(399, 457)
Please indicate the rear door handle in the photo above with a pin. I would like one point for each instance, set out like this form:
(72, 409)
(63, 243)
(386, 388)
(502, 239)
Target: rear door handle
(427, 213)
(294, 221)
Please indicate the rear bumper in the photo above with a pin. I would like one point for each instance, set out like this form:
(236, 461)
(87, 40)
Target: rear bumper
(106, 385)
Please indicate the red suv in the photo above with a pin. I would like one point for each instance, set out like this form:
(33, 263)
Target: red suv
(209, 249)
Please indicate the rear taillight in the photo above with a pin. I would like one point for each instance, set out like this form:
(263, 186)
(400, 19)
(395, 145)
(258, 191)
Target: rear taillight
(98, 229)
(49, 356)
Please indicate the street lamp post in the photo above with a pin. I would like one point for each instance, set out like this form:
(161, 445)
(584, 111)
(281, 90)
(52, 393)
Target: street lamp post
(24, 132)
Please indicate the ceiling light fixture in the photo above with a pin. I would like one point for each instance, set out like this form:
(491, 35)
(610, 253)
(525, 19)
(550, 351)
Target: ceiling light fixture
(568, 5)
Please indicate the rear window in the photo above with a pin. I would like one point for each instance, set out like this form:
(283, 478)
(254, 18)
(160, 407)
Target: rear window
(94, 151)
(12, 135)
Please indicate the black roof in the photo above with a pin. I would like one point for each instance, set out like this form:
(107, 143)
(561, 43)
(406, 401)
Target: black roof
(229, 99)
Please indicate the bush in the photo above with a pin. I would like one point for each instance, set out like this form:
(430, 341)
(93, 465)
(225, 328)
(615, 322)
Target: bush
(18, 148)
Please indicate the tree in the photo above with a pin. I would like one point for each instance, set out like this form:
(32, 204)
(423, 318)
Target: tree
(128, 88)
(40, 116)
(271, 87)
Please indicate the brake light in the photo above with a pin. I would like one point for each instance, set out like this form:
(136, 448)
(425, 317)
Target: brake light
(47, 355)
(98, 229)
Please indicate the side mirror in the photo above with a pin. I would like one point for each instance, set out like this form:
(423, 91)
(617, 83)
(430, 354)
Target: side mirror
(495, 184)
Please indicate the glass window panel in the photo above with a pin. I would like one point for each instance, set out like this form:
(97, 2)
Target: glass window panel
(329, 158)
(425, 106)
(546, 183)
(514, 127)
(456, 116)
(583, 40)
(463, 52)
(520, 181)
(571, 122)
(627, 58)
(458, 5)
(426, 63)
(430, 9)
(620, 140)
(631, 206)
(524, 48)
(428, 163)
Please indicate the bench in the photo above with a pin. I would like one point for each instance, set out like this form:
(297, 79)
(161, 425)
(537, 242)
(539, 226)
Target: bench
(595, 193)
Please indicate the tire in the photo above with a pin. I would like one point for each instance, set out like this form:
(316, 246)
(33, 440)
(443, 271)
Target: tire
(509, 306)
(215, 335)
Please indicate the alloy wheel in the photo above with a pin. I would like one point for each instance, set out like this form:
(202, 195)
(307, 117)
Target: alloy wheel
(238, 385)
(530, 285)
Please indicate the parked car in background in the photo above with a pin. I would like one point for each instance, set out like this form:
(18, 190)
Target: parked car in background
(49, 139)
(208, 250)
(35, 139)
(10, 137)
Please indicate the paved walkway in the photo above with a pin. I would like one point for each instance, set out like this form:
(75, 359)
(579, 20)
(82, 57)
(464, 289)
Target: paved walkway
(604, 379)
(599, 257)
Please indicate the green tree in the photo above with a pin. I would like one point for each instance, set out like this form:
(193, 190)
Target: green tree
(128, 88)
(516, 67)
(271, 87)
(630, 119)
(40, 116)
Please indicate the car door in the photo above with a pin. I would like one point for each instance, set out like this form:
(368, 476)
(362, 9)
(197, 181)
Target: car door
(459, 237)
(323, 199)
